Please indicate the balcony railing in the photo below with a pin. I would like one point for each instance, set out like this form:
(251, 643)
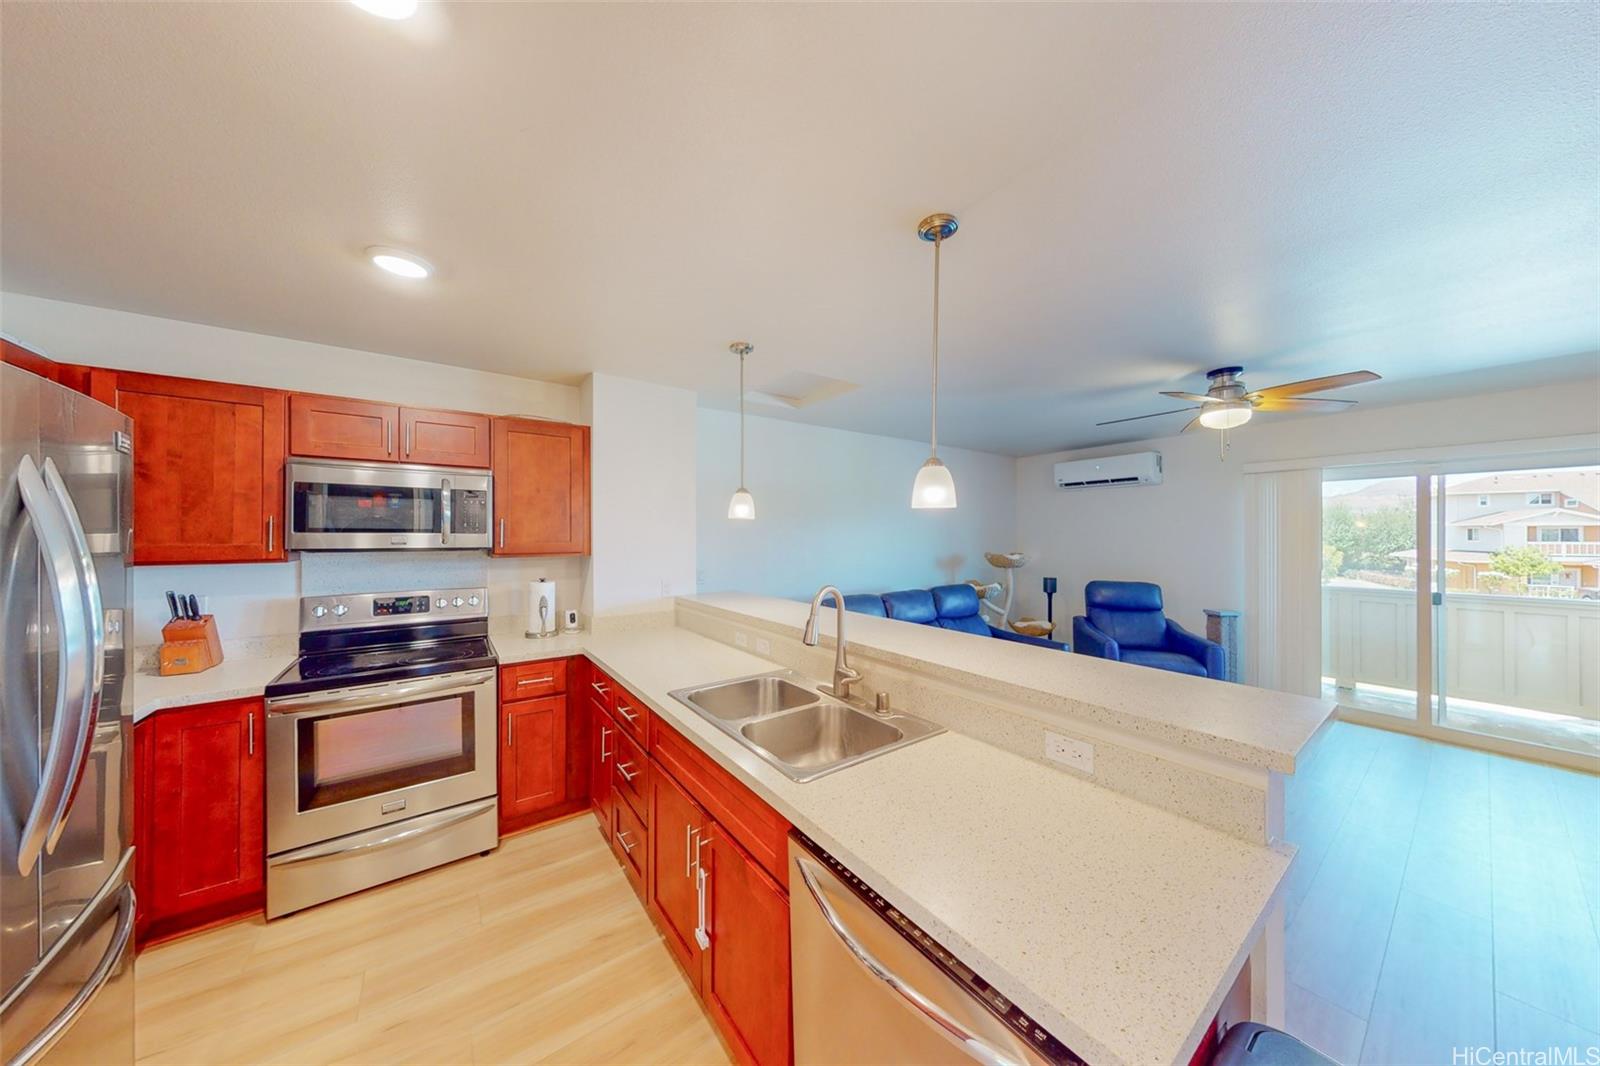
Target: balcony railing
(1568, 548)
(1519, 651)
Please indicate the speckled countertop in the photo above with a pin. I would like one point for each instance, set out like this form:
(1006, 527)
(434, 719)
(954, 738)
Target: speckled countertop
(1253, 726)
(1118, 926)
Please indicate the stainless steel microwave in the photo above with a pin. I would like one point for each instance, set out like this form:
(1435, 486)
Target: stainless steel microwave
(334, 505)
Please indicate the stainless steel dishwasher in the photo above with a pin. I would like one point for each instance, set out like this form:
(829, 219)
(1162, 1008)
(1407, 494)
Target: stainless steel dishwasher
(870, 987)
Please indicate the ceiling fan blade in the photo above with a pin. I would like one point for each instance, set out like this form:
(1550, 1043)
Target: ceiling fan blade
(1136, 418)
(1294, 403)
(1192, 397)
(1190, 424)
(1332, 381)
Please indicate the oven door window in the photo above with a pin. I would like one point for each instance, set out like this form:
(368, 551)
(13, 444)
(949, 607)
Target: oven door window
(323, 507)
(363, 753)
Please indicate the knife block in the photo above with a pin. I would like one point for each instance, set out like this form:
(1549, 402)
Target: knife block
(188, 647)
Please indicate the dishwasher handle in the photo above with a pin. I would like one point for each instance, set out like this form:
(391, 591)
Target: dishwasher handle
(925, 1006)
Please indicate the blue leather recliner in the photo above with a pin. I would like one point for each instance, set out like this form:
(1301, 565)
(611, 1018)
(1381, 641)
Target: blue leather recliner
(1125, 621)
(946, 606)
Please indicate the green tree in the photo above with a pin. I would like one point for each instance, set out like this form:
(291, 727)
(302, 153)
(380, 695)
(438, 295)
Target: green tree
(1522, 561)
(1367, 540)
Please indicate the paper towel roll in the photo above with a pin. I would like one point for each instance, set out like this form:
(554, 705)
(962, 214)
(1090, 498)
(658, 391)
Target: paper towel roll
(545, 622)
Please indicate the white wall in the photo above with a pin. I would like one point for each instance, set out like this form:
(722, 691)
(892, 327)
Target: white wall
(1187, 534)
(642, 476)
(834, 507)
(261, 599)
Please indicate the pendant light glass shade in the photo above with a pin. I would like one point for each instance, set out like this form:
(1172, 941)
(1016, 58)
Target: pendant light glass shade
(934, 488)
(742, 505)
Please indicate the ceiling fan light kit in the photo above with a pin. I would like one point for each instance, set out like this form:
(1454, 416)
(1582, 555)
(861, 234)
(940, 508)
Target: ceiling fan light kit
(934, 488)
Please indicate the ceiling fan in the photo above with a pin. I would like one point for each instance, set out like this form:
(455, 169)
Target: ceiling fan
(1228, 403)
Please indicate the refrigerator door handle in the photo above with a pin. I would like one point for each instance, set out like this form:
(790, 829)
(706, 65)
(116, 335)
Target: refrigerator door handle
(55, 546)
(104, 970)
(95, 632)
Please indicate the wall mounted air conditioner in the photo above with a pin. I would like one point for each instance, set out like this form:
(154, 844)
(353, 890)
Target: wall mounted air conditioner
(1138, 468)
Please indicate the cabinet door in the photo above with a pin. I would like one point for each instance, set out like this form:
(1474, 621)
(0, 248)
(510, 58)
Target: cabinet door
(207, 469)
(676, 827)
(602, 750)
(533, 759)
(444, 438)
(541, 488)
(746, 978)
(207, 846)
(329, 427)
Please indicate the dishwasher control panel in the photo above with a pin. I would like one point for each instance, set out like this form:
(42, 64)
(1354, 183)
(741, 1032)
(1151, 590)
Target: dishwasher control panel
(1015, 1019)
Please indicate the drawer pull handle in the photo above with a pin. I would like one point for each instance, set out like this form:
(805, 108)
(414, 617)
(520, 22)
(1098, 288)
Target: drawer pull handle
(598, 687)
(622, 709)
(622, 838)
(627, 775)
(535, 680)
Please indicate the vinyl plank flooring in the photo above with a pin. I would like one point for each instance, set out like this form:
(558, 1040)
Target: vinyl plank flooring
(540, 948)
(1436, 992)
(1520, 1027)
(1334, 1032)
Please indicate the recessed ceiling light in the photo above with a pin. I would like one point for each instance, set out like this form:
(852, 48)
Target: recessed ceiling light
(401, 264)
(388, 9)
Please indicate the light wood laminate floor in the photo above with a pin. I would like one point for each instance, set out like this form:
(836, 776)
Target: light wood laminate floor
(1442, 898)
(537, 952)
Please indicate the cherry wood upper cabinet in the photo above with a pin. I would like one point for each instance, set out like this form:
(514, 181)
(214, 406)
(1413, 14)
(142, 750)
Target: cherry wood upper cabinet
(541, 488)
(31, 361)
(207, 469)
(533, 756)
(329, 427)
(444, 438)
(199, 803)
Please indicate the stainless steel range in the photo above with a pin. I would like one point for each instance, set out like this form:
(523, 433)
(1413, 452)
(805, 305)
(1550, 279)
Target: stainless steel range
(380, 743)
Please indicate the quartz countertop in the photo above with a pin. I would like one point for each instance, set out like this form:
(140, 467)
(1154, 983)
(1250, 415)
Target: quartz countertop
(1253, 726)
(1117, 926)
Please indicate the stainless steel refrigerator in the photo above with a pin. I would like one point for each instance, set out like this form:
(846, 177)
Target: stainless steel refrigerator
(66, 856)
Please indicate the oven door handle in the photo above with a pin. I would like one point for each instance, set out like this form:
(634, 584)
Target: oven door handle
(415, 827)
(319, 703)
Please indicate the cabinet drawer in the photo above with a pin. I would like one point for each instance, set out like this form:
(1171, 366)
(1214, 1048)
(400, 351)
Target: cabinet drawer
(757, 828)
(628, 840)
(526, 680)
(631, 715)
(601, 689)
(632, 775)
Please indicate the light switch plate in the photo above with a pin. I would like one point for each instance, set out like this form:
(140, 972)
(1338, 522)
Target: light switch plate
(1078, 754)
(763, 646)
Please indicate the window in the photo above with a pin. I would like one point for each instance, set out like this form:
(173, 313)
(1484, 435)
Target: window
(1483, 501)
(1474, 533)
(1559, 534)
(1541, 499)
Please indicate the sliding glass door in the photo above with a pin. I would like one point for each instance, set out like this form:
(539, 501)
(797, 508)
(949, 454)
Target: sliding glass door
(1465, 601)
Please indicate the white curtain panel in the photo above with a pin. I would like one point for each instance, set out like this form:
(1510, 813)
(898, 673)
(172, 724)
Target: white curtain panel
(1283, 568)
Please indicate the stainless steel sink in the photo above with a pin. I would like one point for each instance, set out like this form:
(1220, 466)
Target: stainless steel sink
(751, 697)
(783, 718)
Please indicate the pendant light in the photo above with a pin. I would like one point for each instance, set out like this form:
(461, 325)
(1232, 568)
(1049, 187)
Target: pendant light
(741, 505)
(934, 487)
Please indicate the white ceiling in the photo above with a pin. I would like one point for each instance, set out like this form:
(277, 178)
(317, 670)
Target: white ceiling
(1145, 191)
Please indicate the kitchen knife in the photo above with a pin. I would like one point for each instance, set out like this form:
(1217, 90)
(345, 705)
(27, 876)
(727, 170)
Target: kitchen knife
(194, 608)
(172, 604)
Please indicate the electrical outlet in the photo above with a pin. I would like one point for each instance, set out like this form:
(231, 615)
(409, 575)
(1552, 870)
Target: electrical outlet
(763, 646)
(1078, 754)
(741, 640)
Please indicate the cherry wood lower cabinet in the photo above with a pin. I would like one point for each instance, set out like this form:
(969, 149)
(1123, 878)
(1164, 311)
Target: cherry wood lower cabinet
(544, 743)
(199, 815)
(675, 850)
(602, 753)
(745, 976)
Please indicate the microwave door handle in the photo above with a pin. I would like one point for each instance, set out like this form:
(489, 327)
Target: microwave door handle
(95, 634)
(444, 510)
(914, 997)
(71, 660)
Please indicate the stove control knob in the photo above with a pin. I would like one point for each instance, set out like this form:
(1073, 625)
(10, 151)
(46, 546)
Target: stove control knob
(440, 602)
(472, 601)
(318, 611)
(340, 609)
(457, 602)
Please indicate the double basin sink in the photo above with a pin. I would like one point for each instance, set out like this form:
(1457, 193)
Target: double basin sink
(801, 731)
